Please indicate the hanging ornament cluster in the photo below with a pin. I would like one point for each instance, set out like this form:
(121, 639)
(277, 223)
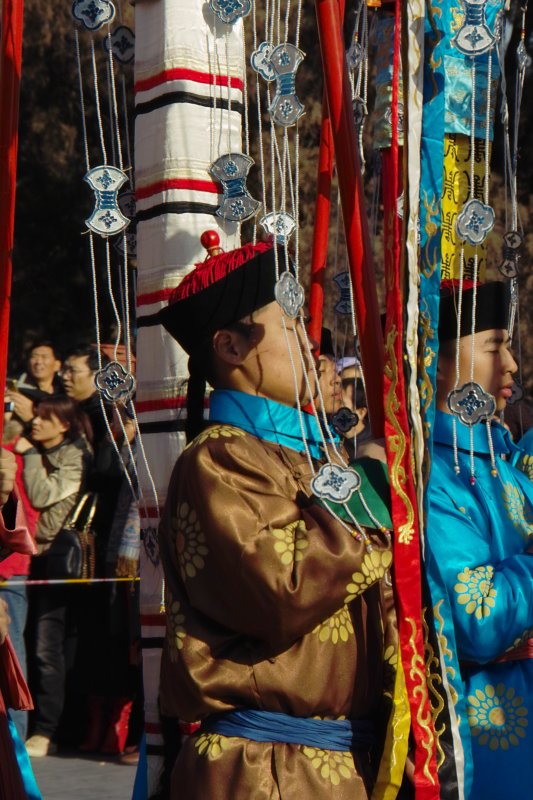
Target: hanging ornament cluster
(113, 214)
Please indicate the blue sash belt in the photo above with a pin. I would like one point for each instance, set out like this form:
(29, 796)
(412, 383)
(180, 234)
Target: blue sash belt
(274, 726)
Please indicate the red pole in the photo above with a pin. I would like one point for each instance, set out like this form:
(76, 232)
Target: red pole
(338, 92)
(319, 256)
(10, 72)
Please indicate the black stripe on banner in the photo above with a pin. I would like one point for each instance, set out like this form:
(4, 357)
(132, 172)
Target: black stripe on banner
(167, 426)
(178, 207)
(154, 749)
(148, 321)
(152, 642)
(187, 97)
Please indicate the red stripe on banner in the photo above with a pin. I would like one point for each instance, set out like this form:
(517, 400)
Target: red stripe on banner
(183, 74)
(152, 727)
(196, 185)
(161, 404)
(153, 620)
(154, 297)
(150, 512)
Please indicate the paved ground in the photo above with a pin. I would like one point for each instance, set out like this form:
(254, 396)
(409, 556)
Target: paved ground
(66, 776)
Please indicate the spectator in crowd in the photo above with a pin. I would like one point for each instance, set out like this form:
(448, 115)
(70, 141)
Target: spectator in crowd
(41, 379)
(15, 568)
(101, 657)
(44, 365)
(56, 465)
(16, 776)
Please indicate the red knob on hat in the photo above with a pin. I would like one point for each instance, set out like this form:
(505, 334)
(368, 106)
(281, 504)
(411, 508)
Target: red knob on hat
(211, 241)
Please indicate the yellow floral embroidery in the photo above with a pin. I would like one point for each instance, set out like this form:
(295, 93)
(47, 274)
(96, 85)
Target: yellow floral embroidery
(211, 745)
(497, 717)
(190, 541)
(374, 567)
(291, 542)
(218, 432)
(520, 640)
(337, 628)
(390, 656)
(333, 765)
(514, 501)
(475, 591)
(526, 465)
(175, 630)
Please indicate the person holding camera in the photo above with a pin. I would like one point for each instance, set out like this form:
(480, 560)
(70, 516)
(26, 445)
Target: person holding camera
(56, 463)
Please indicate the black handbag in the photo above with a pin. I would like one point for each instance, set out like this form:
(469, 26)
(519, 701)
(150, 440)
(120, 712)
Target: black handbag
(71, 554)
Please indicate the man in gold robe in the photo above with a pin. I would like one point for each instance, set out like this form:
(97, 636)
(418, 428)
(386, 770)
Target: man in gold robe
(281, 639)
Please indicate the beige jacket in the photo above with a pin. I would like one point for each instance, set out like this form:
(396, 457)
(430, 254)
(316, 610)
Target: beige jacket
(53, 480)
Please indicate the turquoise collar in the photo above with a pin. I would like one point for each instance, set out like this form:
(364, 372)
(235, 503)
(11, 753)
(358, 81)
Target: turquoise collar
(501, 438)
(267, 420)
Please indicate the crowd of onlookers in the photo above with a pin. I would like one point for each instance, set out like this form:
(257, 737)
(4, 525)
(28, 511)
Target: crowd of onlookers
(78, 642)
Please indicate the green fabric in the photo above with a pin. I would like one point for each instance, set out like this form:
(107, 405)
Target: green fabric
(375, 490)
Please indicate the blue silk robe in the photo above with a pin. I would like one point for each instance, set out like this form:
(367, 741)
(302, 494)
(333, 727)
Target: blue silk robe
(481, 580)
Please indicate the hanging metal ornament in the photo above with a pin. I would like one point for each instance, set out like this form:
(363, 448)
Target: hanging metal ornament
(355, 54)
(131, 244)
(231, 170)
(474, 222)
(286, 108)
(93, 13)
(335, 483)
(474, 36)
(106, 219)
(114, 383)
(344, 420)
(261, 61)
(512, 245)
(523, 59)
(122, 44)
(289, 294)
(517, 393)
(126, 203)
(279, 225)
(344, 303)
(388, 118)
(360, 111)
(229, 11)
(471, 403)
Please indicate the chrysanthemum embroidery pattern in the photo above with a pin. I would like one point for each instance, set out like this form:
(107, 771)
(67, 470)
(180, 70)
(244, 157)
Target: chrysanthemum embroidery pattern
(218, 432)
(497, 717)
(338, 628)
(334, 766)
(475, 591)
(190, 541)
(211, 745)
(291, 541)
(373, 568)
(514, 501)
(175, 628)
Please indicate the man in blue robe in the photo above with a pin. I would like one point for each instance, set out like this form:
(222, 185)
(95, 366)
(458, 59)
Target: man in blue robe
(479, 549)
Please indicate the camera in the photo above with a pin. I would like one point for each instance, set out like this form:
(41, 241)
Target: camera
(9, 405)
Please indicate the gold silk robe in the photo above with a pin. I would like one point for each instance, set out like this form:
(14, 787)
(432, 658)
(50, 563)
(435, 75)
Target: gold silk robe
(272, 605)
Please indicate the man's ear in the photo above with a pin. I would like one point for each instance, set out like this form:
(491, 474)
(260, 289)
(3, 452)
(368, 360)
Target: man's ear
(230, 346)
